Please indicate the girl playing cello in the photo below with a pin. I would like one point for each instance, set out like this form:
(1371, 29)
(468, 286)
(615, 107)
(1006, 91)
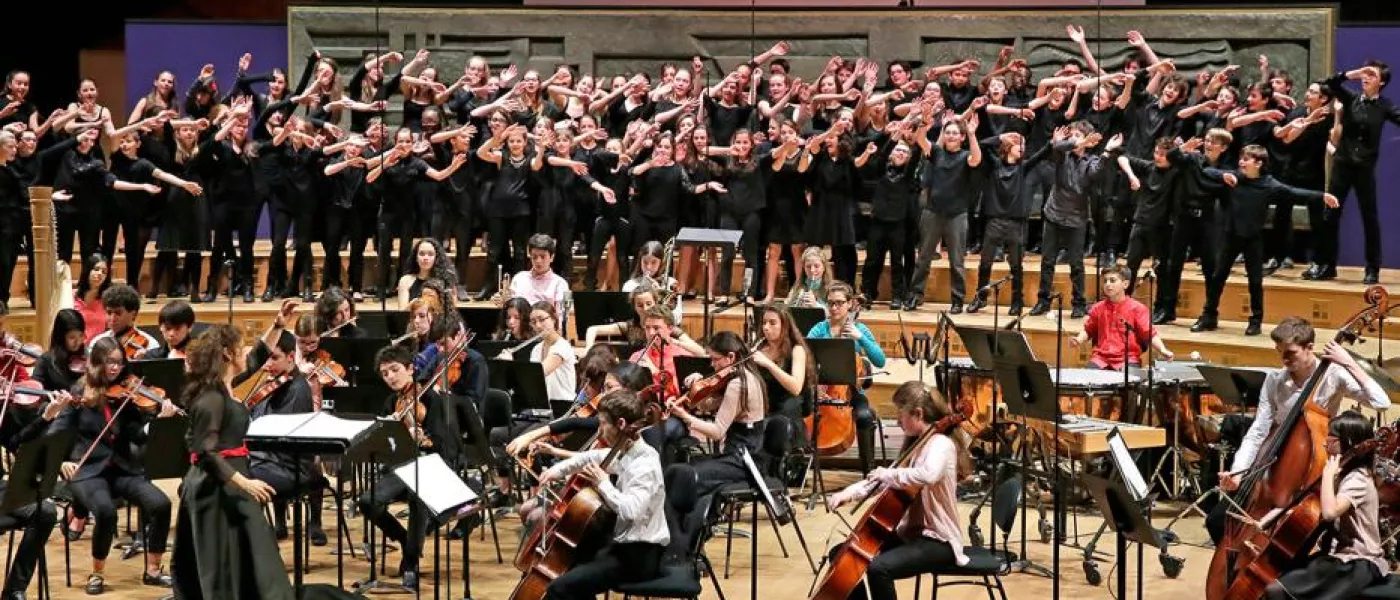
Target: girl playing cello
(929, 534)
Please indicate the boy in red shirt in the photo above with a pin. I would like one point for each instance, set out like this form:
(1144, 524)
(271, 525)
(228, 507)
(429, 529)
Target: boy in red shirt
(1107, 320)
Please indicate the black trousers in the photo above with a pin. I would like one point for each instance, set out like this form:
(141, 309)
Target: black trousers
(604, 229)
(167, 263)
(885, 237)
(615, 563)
(899, 559)
(228, 219)
(560, 224)
(1009, 234)
(85, 224)
(288, 217)
(1195, 230)
(358, 226)
(96, 495)
(14, 238)
(1253, 249)
(393, 226)
(1144, 241)
(136, 235)
(751, 225)
(387, 490)
(843, 262)
(37, 520)
(1361, 178)
(1071, 239)
(514, 231)
(287, 487)
(339, 221)
(453, 220)
(1111, 204)
(651, 229)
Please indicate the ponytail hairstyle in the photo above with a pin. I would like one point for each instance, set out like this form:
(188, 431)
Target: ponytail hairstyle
(1351, 428)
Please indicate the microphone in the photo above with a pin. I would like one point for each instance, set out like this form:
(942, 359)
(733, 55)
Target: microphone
(748, 281)
(993, 285)
(228, 264)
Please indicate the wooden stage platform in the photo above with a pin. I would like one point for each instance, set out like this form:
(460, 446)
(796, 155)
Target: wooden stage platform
(778, 577)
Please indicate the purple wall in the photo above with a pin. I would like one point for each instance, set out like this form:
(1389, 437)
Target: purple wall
(1356, 45)
(184, 47)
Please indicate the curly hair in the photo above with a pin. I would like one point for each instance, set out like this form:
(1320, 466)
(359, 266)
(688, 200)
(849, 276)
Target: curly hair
(208, 358)
(442, 268)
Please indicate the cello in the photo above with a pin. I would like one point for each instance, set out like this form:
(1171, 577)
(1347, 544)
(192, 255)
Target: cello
(880, 522)
(1252, 554)
(834, 414)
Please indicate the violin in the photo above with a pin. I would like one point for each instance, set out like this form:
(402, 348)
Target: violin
(25, 394)
(409, 408)
(266, 387)
(325, 370)
(133, 345)
(134, 389)
(24, 354)
(1282, 482)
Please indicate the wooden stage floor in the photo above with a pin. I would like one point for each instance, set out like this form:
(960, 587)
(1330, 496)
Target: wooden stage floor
(779, 577)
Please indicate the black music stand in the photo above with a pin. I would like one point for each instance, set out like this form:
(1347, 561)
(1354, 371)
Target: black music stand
(700, 239)
(383, 323)
(1125, 516)
(524, 381)
(442, 494)
(1029, 392)
(481, 319)
(836, 365)
(389, 443)
(1236, 386)
(804, 317)
(692, 365)
(353, 401)
(35, 470)
(166, 373)
(600, 308)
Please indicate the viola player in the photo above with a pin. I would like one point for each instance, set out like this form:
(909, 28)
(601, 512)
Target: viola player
(123, 304)
(1293, 339)
(282, 390)
(929, 536)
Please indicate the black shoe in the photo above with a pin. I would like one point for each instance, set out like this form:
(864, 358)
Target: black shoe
(209, 296)
(1312, 272)
(248, 295)
(158, 580)
(1163, 317)
(977, 304)
(96, 585)
(1253, 328)
(269, 294)
(1271, 265)
(410, 580)
(1373, 276)
(1326, 272)
(1041, 307)
(956, 309)
(1015, 309)
(1287, 263)
(318, 536)
(1078, 312)
(1204, 323)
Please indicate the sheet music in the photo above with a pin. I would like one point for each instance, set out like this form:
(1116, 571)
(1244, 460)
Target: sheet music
(759, 482)
(438, 487)
(1118, 450)
(308, 426)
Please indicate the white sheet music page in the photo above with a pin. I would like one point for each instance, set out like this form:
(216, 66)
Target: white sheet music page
(325, 426)
(435, 484)
(277, 426)
(1118, 448)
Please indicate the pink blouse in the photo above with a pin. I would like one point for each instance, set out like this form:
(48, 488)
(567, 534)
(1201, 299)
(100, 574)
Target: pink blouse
(935, 513)
(94, 316)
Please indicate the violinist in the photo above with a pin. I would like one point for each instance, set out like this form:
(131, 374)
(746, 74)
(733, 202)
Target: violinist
(445, 334)
(593, 371)
(334, 313)
(435, 426)
(1293, 339)
(785, 363)
(841, 323)
(102, 465)
(176, 322)
(66, 360)
(738, 409)
(1356, 559)
(18, 426)
(123, 304)
(665, 342)
(283, 389)
(929, 536)
(636, 543)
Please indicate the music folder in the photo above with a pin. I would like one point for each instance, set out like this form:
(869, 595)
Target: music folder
(435, 484)
(316, 432)
(35, 470)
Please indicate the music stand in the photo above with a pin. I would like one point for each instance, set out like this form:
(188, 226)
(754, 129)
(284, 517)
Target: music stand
(481, 319)
(383, 323)
(35, 470)
(804, 317)
(167, 374)
(700, 239)
(387, 444)
(600, 308)
(692, 365)
(1029, 392)
(836, 365)
(167, 456)
(1238, 386)
(524, 381)
(1126, 518)
(348, 401)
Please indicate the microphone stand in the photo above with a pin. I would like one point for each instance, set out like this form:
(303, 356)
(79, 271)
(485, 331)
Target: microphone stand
(1059, 497)
(229, 266)
(996, 397)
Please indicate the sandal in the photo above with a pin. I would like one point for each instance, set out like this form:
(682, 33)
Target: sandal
(96, 584)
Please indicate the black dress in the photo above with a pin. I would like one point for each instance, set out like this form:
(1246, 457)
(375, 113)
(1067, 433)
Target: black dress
(224, 547)
(834, 181)
(185, 226)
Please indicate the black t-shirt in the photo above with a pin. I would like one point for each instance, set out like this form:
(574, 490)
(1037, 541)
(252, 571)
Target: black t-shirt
(620, 113)
(725, 120)
(510, 196)
(399, 183)
(949, 181)
(1303, 162)
(21, 114)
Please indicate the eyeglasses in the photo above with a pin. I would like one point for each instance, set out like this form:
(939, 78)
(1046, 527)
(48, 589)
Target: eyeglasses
(830, 302)
(534, 320)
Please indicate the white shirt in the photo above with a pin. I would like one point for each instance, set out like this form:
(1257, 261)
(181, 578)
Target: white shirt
(559, 385)
(1280, 394)
(639, 498)
(544, 288)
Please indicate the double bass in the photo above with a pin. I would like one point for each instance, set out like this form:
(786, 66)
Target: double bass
(880, 522)
(1287, 468)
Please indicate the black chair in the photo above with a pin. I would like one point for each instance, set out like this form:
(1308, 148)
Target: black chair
(730, 499)
(988, 565)
(685, 555)
(1389, 589)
